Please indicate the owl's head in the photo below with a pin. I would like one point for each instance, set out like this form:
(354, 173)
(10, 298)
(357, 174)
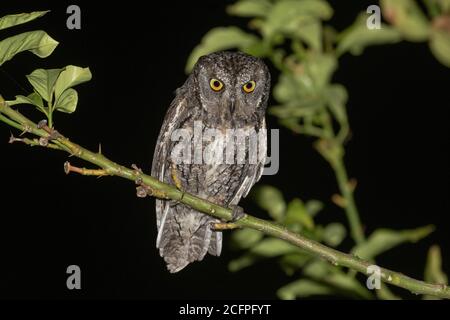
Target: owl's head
(232, 85)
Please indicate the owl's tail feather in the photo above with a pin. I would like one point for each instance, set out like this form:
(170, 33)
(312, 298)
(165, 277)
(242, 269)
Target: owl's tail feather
(186, 236)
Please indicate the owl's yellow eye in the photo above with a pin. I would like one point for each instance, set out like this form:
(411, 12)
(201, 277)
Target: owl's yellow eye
(216, 85)
(249, 86)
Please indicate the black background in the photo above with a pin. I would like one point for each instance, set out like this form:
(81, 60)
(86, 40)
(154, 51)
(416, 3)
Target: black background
(398, 152)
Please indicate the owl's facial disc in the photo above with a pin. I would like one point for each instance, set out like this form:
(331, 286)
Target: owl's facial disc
(232, 85)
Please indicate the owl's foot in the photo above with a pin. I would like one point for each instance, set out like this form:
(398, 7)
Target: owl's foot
(224, 226)
(175, 178)
(237, 213)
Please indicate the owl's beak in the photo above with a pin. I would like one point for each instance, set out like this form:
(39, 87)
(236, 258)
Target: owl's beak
(232, 104)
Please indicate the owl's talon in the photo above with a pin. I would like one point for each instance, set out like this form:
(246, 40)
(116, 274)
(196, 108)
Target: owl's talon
(175, 178)
(220, 226)
(237, 213)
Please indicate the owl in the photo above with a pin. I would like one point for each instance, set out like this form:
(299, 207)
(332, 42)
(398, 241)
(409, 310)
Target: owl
(225, 92)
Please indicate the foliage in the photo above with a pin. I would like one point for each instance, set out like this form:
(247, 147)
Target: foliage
(292, 34)
(54, 86)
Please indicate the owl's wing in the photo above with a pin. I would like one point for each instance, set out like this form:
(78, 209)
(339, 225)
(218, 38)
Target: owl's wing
(255, 174)
(176, 113)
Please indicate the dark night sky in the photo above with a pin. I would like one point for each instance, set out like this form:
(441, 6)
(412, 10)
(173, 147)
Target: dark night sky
(398, 152)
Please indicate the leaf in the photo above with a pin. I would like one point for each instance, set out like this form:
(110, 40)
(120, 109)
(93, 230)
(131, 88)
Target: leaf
(291, 262)
(43, 81)
(218, 39)
(336, 97)
(270, 199)
(267, 248)
(70, 77)
(433, 270)
(311, 33)
(289, 15)
(303, 288)
(33, 99)
(407, 17)
(334, 234)
(16, 19)
(250, 8)
(313, 207)
(440, 46)
(37, 42)
(382, 240)
(303, 89)
(67, 101)
(357, 37)
(272, 247)
(296, 214)
(242, 262)
(245, 238)
(322, 271)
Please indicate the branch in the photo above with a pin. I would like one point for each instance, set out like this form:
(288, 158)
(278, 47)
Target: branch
(151, 186)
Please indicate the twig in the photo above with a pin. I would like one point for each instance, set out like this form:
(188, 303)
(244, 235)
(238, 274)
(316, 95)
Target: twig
(166, 191)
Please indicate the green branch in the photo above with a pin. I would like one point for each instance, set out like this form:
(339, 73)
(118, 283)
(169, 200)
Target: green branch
(156, 188)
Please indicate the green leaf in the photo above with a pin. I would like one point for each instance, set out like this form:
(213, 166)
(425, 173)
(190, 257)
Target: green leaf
(67, 101)
(334, 277)
(267, 248)
(70, 77)
(16, 19)
(357, 37)
(242, 262)
(296, 214)
(334, 234)
(272, 247)
(43, 81)
(302, 92)
(313, 207)
(270, 199)
(245, 238)
(289, 15)
(292, 262)
(319, 68)
(221, 38)
(250, 8)
(33, 99)
(336, 97)
(311, 33)
(382, 240)
(433, 270)
(407, 17)
(440, 46)
(37, 42)
(303, 288)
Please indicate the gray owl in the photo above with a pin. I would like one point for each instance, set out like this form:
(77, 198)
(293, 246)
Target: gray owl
(226, 90)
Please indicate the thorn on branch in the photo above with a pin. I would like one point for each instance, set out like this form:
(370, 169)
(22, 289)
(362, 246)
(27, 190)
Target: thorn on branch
(339, 200)
(352, 184)
(138, 171)
(143, 190)
(68, 168)
(26, 129)
(41, 124)
(13, 139)
(224, 226)
(43, 142)
(53, 134)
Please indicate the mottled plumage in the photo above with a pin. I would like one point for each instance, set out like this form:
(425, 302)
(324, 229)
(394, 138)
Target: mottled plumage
(185, 235)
